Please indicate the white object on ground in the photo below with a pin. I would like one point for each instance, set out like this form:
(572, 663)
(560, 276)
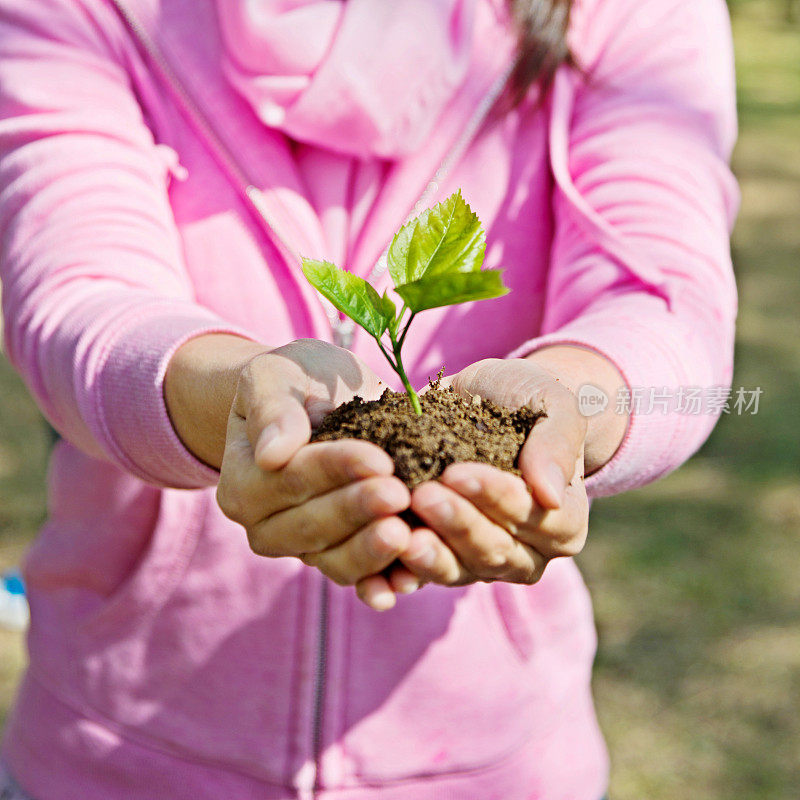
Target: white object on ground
(14, 612)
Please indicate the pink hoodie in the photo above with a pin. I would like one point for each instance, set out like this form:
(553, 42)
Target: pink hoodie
(142, 202)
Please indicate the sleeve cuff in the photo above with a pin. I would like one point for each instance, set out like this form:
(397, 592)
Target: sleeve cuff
(127, 402)
(657, 439)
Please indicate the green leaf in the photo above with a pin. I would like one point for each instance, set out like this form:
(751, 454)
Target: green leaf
(434, 291)
(394, 322)
(388, 308)
(351, 294)
(445, 239)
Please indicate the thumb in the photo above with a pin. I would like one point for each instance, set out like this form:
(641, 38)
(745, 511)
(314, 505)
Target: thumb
(272, 406)
(277, 429)
(549, 455)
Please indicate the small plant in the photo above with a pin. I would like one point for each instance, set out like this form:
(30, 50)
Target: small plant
(434, 260)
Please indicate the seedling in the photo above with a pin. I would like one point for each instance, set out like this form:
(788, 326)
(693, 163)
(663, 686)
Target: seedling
(434, 260)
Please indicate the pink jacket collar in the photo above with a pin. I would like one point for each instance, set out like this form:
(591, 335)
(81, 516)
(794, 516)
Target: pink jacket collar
(193, 72)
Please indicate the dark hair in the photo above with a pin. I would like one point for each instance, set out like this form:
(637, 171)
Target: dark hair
(542, 44)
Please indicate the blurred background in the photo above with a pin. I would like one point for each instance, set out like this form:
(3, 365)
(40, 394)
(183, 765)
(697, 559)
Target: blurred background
(696, 579)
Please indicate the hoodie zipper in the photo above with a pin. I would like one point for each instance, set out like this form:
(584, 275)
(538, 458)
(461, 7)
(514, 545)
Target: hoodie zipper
(250, 193)
(319, 682)
(342, 328)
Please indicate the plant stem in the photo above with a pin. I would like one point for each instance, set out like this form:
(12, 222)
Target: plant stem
(398, 367)
(387, 355)
(405, 330)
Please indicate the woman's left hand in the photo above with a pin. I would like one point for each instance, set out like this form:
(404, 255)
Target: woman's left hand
(485, 524)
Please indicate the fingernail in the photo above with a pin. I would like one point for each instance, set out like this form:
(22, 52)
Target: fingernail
(387, 500)
(404, 582)
(425, 558)
(469, 487)
(438, 512)
(390, 539)
(406, 585)
(362, 468)
(266, 440)
(554, 478)
(382, 600)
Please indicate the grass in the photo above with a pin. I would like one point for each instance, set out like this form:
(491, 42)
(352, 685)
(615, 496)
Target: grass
(23, 455)
(694, 578)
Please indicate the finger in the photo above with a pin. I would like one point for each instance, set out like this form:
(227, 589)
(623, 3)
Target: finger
(402, 579)
(376, 593)
(547, 459)
(367, 552)
(432, 561)
(483, 377)
(501, 496)
(485, 549)
(247, 494)
(271, 402)
(498, 495)
(241, 487)
(328, 519)
(319, 468)
(562, 532)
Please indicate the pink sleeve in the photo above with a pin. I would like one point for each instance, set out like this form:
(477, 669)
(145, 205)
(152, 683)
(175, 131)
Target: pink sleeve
(644, 204)
(95, 294)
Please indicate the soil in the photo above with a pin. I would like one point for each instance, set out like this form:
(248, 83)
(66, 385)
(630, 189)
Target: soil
(450, 429)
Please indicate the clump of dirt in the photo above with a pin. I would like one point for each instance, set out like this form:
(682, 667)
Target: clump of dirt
(450, 429)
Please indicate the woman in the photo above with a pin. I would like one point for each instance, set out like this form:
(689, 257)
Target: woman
(163, 165)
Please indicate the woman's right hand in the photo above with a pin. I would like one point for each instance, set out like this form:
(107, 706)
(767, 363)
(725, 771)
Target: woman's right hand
(331, 504)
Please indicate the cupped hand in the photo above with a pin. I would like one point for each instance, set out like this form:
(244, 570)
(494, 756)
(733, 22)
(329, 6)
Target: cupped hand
(483, 524)
(331, 504)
